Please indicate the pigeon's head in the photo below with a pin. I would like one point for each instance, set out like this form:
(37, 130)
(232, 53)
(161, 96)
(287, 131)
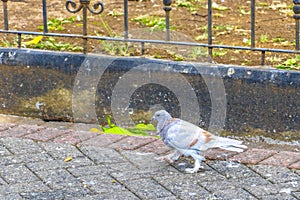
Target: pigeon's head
(161, 115)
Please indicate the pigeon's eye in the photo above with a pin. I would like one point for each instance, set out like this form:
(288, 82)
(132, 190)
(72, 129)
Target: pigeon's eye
(158, 115)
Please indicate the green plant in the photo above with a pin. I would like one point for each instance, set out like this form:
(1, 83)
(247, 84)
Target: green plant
(156, 23)
(219, 53)
(204, 36)
(114, 13)
(263, 38)
(198, 52)
(292, 64)
(56, 24)
(218, 7)
(137, 130)
(49, 43)
(184, 4)
(278, 39)
(110, 47)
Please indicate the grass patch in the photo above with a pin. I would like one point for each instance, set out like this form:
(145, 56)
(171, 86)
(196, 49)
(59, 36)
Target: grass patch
(291, 64)
(57, 24)
(156, 23)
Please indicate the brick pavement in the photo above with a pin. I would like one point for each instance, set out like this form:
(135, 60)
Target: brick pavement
(33, 166)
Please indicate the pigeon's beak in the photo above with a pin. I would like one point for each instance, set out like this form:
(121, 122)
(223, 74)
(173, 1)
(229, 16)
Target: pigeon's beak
(153, 118)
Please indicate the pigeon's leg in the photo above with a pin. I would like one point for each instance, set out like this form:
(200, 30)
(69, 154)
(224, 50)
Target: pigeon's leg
(170, 157)
(198, 159)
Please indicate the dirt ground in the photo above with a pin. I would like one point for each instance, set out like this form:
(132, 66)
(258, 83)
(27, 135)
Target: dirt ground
(275, 28)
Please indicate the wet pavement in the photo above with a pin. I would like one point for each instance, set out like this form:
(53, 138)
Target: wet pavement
(53, 160)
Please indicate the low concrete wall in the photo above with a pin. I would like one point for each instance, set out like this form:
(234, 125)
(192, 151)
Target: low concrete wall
(54, 85)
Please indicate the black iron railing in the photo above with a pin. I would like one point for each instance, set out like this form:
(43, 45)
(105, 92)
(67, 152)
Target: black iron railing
(98, 7)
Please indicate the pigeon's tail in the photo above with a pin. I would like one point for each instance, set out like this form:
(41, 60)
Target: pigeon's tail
(229, 144)
(238, 148)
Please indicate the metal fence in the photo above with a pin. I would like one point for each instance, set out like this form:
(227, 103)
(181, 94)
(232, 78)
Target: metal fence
(98, 7)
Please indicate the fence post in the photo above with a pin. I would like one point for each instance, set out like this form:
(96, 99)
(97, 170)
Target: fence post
(296, 16)
(167, 8)
(125, 19)
(84, 5)
(45, 16)
(209, 29)
(252, 23)
(5, 14)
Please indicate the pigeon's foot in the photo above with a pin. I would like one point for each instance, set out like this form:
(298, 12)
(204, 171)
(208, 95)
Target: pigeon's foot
(193, 170)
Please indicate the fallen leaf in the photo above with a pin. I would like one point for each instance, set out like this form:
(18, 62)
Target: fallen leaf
(68, 159)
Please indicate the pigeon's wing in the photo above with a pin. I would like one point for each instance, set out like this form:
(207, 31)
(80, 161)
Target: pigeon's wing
(182, 134)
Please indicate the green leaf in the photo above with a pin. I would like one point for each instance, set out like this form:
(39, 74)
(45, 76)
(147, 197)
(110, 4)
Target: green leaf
(145, 127)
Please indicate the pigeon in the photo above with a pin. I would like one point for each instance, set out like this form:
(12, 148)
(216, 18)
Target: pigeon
(189, 140)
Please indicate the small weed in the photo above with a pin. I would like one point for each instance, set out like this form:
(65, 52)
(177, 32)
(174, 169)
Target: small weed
(278, 39)
(218, 7)
(198, 52)
(56, 24)
(292, 64)
(7, 43)
(219, 53)
(114, 13)
(184, 4)
(244, 12)
(178, 57)
(263, 38)
(48, 43)
(113, 48)
(138, 130)
(218, 15)
(263, 4)
(204, 36)
(246, 41)
(156, 23)
(223, 27)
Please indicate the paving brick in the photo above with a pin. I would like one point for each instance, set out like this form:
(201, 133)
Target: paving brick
(232, 169)
(184, 189)
(296, 194)
(281, 196)
(102, 155)
(6, 126)
(295, 165)
(276, 174)
(70, 193)
(112, 195)
(272, 189)
(14, 196)
(21, 130)
(283, 158)
(102, 183)
(61, 151)
(218, 154)
(17, 174)
(144, 187)
(2, 182)
(24, 186)
(59, 164)
(131, 143)
(157, 147)
(253, 156)
(4, 151)
(58, 179)
(20, 146)
(46, 134)
(102, 169)
(24, 158)
(144, 161)
(102, 140)
(75, 137)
